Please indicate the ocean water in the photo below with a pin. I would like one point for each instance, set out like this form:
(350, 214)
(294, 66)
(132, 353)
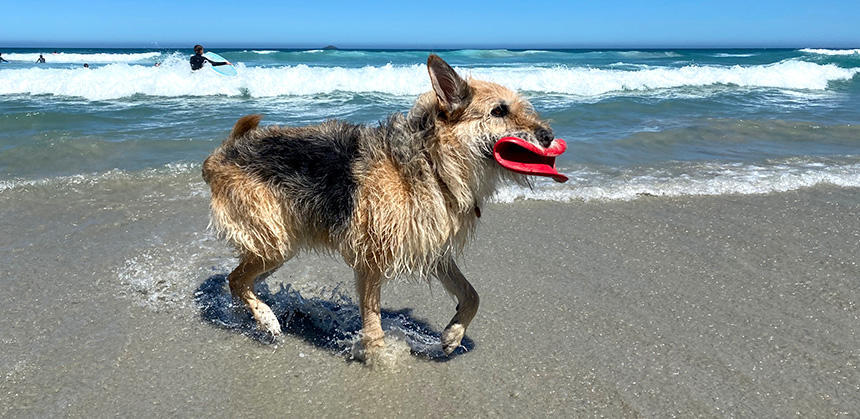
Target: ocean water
(658, 122)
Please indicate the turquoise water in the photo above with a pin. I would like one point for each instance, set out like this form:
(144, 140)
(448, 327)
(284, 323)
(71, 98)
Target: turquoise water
(664, 122)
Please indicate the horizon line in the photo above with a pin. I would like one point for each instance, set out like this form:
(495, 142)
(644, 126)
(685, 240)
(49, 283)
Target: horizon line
(416, 47)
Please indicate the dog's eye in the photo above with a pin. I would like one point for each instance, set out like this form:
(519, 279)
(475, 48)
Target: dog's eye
(499, 111)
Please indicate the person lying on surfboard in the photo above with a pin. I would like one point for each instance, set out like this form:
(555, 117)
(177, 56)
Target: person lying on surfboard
(198, 59)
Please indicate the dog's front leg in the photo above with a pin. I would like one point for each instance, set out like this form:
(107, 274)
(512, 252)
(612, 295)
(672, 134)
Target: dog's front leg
(467, 304)
(368, 285)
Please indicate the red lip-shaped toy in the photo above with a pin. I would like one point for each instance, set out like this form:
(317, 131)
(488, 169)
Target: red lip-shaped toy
(521, 156)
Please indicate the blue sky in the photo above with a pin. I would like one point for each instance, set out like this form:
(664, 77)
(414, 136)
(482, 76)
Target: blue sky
(502, 23)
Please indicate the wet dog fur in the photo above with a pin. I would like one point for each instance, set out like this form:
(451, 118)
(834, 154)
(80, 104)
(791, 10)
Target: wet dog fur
(399, 199)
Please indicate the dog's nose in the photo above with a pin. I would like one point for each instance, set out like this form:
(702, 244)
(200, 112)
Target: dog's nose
(544, 136)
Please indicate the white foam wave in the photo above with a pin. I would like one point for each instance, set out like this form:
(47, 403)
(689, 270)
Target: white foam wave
(593, 82)
(264, 52)
(683, 179)
(643, 54)
(65, 57)
(831, 51)
(727, 55)
(174, 78)
(88, 180)
(691, 180)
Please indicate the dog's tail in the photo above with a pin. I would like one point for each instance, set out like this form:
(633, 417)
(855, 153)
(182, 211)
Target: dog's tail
(243, 125)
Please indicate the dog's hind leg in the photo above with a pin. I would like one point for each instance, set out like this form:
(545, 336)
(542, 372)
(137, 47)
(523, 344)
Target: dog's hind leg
(242, 281)
(467, 304)
(368, 287)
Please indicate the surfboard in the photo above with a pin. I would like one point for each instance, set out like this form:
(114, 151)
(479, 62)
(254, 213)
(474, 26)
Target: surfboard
(227, 69)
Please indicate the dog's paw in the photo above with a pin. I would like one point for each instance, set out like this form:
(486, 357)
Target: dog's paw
(365, 350)
(451, 337)
(372, 346)
(268, 322)
(386, 355)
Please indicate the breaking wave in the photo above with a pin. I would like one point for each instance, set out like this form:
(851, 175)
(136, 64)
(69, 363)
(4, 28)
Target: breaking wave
(831, 51)
(728, 55)
(174, 79)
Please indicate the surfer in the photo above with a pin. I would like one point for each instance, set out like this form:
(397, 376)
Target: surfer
(41, 59)
(198, 59)
(3, 60)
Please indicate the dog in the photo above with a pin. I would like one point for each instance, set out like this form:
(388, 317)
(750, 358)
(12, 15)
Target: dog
(399, 199)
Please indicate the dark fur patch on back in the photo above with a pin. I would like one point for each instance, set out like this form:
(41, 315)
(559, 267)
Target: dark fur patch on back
(310, 165)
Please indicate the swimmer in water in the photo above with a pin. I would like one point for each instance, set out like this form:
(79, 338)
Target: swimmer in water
(3, 60)
(198, 59)
(41, 59)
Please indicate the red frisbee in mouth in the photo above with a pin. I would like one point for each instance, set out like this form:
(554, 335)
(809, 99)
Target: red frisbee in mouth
(521, 156)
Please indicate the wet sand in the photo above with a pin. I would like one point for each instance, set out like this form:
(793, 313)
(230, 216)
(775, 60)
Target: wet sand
(747, 306)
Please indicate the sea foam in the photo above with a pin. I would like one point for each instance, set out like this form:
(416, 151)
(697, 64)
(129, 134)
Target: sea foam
(728, 55)
(689, 179)
(174, 78)
(585, 184)
(831, 51)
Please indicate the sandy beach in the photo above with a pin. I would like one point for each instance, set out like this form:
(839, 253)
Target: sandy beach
(114, 305)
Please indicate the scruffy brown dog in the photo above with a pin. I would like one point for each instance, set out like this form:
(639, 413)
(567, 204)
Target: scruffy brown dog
(397, 199)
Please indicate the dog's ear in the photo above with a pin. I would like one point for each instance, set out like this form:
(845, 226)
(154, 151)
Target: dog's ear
(451, 90)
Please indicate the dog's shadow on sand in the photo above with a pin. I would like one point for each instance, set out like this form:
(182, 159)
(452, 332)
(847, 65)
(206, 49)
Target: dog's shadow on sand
(331, 323)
